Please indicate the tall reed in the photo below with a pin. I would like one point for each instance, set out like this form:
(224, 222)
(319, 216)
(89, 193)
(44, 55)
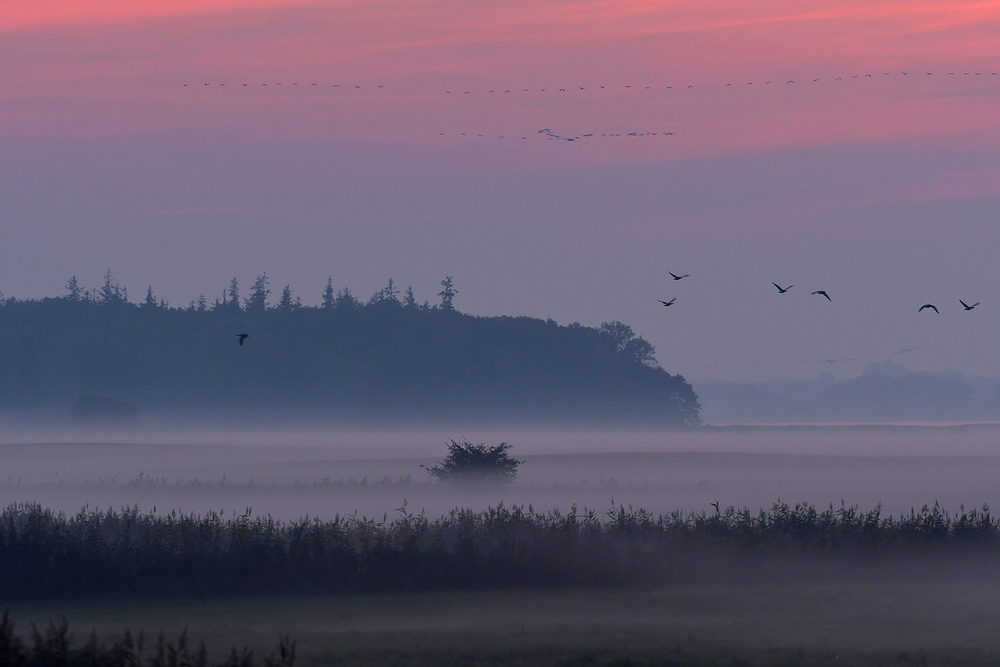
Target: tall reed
(114, 553)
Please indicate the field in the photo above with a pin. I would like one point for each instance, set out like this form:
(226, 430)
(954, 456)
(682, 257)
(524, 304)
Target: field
(860, 624)
(288, 475)
(942, 612)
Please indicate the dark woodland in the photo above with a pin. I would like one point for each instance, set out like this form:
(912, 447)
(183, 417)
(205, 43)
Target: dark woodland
(387, 359)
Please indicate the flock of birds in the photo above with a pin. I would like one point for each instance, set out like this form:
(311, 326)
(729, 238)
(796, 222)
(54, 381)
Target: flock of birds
(620, 89)
(597, 88)
(819, 292)
(549, 135)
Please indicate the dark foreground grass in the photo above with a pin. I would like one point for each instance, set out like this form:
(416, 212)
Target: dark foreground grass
(837, 623)
(55, 647)
(127, 553)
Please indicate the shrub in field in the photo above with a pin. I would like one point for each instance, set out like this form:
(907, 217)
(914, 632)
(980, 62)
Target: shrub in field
(468, 462)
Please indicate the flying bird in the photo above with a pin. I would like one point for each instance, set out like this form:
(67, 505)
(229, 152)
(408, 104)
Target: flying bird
(667, 303)
(242, 338)
(931, 306)
(782, 290)
(823, 293)
(967, 306)
(677, 277)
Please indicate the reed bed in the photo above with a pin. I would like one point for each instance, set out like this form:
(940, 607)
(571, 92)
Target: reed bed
(110, 553)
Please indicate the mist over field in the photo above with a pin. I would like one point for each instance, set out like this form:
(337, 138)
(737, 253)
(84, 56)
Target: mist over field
(289, 474)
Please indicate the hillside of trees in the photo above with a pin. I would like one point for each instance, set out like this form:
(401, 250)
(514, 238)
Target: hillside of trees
(389, 359)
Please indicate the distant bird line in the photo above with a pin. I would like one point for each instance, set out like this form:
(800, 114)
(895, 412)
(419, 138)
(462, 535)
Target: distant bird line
(596, 89)
(549, 135)
(603, 89)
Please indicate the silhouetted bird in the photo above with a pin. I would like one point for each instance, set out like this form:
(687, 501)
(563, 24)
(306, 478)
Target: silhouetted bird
(931, 306)
(242, 338)
(967, 306)
(782, 290)
(823, 293)
(677, 277)
(667, 303)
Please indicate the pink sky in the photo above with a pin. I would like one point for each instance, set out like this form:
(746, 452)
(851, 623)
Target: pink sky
(110, 161)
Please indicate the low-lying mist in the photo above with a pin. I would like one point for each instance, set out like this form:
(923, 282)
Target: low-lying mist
(290, 474)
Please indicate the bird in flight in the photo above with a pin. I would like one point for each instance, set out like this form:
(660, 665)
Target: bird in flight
(677, 277)
(823, 293)
(782, 290)
(967, 306)
(931, 306)
(242, 338)
(667, 303)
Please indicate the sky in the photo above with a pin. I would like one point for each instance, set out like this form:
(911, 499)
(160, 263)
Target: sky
(122, 150)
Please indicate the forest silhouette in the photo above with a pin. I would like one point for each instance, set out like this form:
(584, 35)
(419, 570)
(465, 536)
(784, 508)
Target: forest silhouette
(388, 360)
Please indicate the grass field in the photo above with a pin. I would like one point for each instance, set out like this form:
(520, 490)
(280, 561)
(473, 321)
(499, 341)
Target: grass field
(954, 620)
(291, 475)
(848, 623)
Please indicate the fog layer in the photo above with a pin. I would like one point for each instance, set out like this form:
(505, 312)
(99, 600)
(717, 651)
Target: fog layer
(292, 474)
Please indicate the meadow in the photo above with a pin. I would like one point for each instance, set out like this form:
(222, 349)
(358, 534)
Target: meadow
(322, 473)
(821, 550)
(859, 623)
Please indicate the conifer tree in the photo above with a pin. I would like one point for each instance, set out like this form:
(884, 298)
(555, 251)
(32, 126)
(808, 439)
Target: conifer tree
(259, 292)
(447, 294)
(345, 299)
(150, 300)
(329, 296)
(286, 303)
(111, 292)
(391, 292)
(75, 293)
(234, 294)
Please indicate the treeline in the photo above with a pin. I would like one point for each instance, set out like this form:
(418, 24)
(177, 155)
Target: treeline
(389, 358)
(127, 553)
